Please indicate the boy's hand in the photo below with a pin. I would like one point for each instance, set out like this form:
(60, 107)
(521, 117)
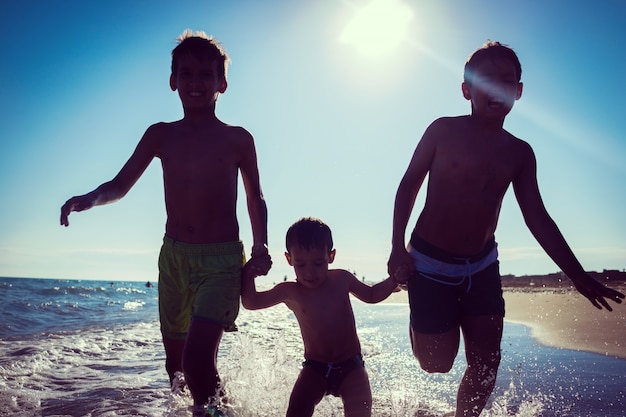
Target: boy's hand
(258, 265)
(400, 266)
(247, 272)
(260, 260)
(80, 203)
(596, 292)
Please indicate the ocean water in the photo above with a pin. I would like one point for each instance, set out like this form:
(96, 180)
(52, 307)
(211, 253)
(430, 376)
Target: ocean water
(93, 348)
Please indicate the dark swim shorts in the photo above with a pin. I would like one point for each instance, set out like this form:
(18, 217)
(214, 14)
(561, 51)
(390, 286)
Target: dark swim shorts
(446, 288)
(200, 281)
(334, 373)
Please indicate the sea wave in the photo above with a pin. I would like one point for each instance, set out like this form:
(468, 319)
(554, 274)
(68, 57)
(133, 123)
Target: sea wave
(115, 365)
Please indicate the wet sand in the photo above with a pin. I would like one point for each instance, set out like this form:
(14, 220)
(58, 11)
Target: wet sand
(563, 319)
(568, 320)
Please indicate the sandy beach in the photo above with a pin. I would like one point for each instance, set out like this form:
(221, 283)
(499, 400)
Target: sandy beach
(564, 319)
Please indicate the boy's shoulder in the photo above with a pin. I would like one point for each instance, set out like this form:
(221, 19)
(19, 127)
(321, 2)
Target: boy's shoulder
(340, 276)
(450, 120)
(465, 125)
(445, 128)
(339, 273)
(445, 125)
(211, 123)
(181, 127)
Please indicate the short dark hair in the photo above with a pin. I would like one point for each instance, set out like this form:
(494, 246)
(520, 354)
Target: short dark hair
(491, 50)
(309, 233)
(198, 44)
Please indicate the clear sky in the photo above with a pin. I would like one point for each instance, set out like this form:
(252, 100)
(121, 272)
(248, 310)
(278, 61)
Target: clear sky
(336, 93)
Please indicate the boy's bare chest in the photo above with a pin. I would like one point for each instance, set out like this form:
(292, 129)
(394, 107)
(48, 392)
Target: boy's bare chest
(324, 309)
(197, 156)
(475, 165)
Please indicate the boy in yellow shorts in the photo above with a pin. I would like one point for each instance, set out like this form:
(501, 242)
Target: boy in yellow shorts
(201, 257)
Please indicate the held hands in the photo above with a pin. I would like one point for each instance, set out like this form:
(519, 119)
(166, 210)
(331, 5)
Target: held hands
(596, 292)
(80, 203)
(256, 267)
(400, 266)
(260, 262)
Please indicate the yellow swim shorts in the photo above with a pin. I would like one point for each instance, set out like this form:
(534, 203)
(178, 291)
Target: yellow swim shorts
(198, 280)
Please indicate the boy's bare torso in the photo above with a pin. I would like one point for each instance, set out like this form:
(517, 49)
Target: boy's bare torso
(470, 169)
(326, 318)
(200, 174)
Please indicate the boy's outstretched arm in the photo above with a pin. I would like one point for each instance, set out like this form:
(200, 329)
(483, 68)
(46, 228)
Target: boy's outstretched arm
(117, 188)
(372, 294)
(545, 230)
(251, 299)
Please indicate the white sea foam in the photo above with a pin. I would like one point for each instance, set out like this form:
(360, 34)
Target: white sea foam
(108, 368)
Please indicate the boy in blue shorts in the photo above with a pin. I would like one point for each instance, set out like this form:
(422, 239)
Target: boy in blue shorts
(320, 300)
(451, 264)
(202, 256)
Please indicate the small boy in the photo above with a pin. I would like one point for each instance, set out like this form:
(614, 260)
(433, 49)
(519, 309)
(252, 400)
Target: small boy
(201, 257)
(320, 301)
(451, 263)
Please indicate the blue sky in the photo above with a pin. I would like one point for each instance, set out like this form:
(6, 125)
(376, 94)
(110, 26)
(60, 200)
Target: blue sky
(336, 107)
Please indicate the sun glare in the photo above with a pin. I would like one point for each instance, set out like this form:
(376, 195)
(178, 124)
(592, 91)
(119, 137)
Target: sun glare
(378, 28)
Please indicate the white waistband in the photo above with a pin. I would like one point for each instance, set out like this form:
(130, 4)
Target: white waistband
(434, 268)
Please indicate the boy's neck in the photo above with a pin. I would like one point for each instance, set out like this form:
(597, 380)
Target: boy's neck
(202, 117)
(485, 123)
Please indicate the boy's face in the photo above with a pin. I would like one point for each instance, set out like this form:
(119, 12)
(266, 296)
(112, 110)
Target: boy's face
(198, 82)
(493, 88)
(310, 265)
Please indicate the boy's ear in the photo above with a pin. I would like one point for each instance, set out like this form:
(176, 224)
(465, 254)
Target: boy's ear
(224, 86)
(466, 91)
(520, 87)
(172, 82)
(331, 256)
(288, 257)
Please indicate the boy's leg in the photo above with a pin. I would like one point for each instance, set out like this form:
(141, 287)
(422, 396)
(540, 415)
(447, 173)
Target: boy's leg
(200, 359)
(482, 336)
(435, 352)
(175, 303)
(173, 356)
(307, 392)
(215, 281)
(434, 322)
(356, 394)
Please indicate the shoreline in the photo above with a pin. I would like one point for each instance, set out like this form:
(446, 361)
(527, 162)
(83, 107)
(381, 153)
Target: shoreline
(562, 318)
(566, 319)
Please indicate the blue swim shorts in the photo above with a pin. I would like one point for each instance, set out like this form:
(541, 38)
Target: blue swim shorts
(198, 280)
(446, 287)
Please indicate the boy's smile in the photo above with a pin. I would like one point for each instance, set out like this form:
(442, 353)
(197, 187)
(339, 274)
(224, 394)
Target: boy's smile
(198, 82)
(310, 265)
(493, 88)
(495, 102)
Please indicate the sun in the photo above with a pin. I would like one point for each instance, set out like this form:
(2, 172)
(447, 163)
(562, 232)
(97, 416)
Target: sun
(378, 28)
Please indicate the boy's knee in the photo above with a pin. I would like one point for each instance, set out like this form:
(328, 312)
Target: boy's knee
(485, 361)
(435, 352)
(434, 366)
(297, 410)
(435, 361)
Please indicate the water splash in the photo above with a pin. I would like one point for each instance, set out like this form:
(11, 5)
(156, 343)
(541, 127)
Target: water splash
(117, 368)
